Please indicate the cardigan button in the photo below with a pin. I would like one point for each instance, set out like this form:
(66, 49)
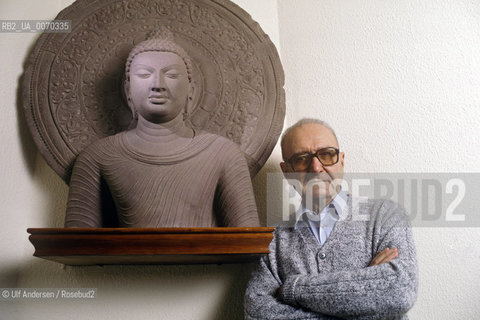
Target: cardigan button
(322, 255)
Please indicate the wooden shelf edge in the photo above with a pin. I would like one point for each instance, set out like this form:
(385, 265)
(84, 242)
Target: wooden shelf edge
(104, 246)
(148, 230)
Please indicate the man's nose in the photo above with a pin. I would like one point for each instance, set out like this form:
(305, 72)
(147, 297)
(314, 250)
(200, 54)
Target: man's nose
(316, 166)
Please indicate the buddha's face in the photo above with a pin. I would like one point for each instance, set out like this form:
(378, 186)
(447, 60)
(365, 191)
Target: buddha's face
(158, 85)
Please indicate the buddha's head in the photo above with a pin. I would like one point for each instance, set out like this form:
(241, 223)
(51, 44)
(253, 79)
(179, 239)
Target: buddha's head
(158, 78)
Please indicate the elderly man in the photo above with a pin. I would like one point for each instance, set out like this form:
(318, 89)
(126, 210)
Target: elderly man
(330, 264)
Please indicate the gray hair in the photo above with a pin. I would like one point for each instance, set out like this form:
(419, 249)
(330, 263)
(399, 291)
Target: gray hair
(302, 122)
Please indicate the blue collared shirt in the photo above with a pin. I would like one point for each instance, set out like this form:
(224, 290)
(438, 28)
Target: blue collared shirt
(322, 224)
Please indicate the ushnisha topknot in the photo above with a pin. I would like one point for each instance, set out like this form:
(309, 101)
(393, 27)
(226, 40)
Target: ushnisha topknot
(161, 40)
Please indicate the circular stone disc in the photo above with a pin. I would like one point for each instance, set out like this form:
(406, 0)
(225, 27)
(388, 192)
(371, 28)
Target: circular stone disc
(73, 86)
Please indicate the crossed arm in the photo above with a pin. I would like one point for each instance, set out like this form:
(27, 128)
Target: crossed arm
(386, 289)
(268, 296)
(383, 256)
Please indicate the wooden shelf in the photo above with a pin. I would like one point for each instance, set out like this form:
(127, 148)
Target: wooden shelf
(103, 246)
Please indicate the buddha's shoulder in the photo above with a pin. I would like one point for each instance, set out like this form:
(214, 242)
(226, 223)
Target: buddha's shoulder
(105, 145)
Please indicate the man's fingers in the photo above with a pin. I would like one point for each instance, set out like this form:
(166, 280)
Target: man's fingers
(379, 257)
(392, 254)
(384, 256)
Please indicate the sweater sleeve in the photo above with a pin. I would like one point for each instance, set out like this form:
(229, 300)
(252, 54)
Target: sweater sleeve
(386, 291)
(234, 199)
(84, 198)
(262, 300)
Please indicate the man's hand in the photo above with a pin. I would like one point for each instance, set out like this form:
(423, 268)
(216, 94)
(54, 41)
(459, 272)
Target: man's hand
(384, 256)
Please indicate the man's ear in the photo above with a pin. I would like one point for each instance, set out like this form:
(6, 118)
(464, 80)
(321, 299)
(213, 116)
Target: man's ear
(342, 159)
(285, 169)
(283, 166)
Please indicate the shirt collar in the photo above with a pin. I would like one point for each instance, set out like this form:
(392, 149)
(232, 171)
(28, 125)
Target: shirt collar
(339, 203)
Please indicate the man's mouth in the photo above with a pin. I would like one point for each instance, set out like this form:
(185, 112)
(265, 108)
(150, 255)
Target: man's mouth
(318, 184)
(317, 178)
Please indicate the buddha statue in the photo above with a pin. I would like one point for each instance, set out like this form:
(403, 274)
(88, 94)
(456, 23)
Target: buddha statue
(161, 172)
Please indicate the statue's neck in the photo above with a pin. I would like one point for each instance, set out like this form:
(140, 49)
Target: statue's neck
(159, 138)
(162, 133)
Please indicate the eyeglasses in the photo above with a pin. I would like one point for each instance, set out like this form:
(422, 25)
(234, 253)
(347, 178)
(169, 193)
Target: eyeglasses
(326, 156)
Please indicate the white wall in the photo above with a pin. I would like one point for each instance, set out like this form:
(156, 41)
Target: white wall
(394, 78)
(399, 81)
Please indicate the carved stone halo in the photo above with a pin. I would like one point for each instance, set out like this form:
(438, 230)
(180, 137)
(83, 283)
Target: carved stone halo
(73, 86)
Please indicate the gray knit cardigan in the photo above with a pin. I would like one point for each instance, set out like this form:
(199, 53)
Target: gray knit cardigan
(334, 281)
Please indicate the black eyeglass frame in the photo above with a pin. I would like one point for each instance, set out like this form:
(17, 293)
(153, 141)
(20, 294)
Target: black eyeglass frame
(311, 155)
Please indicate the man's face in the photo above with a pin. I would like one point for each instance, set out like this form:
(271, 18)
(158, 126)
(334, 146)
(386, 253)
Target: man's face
(158, 85)
(318, 179)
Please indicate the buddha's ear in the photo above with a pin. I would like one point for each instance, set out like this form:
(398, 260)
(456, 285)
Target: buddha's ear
(126, 94)
(190, 99)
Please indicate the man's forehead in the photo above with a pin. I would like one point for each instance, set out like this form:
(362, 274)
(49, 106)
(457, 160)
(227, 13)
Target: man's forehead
(307, 136)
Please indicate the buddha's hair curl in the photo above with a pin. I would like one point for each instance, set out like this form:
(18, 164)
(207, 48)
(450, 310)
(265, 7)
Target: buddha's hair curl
(160, 40)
